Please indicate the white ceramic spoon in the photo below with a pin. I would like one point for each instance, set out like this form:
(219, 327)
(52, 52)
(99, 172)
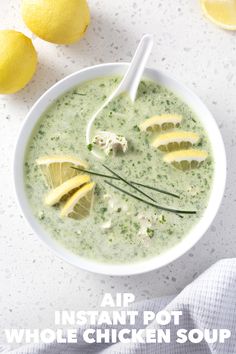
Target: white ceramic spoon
(129, 83)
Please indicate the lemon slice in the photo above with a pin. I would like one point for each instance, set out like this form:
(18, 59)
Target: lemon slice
(80, 204)
(162, 122)
(57, 169)
(175, 140)
(56, 194)
(221, 12)
(186, 159)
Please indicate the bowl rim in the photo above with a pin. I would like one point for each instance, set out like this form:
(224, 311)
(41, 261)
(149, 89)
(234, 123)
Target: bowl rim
(169, 255)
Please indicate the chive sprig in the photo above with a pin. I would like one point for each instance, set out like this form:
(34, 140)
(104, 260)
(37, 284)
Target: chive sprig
(153, 203)
(176, 211)
(132, 182)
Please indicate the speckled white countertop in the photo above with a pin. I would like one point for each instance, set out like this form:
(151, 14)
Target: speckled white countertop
(33, 282)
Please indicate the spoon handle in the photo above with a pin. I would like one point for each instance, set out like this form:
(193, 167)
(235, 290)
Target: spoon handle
(129, 83)
(134, 74)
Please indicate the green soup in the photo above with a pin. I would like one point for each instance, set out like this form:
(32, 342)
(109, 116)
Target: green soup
(120, 229)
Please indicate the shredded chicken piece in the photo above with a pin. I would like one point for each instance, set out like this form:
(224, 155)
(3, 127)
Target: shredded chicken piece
(147, 224)
(115, 204)
(110, 142)
(106, 225)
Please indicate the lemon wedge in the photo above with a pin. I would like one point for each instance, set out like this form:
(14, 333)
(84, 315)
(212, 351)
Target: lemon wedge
(186, 159)
(162, 122)
(175, 140)
(59, 192)
(221, 12)
(80, 204)
(57, 169)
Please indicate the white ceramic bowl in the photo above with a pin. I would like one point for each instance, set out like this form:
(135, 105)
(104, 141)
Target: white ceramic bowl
(218, 181)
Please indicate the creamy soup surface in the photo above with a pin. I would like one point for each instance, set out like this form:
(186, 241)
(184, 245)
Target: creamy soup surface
(120, 228)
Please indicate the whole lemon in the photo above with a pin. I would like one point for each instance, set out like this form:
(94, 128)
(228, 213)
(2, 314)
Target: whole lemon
(56, 21)
(18, 61)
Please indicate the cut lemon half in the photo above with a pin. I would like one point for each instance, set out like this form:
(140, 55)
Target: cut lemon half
(186, 159)
(221, 12)
(162, 122)
(65, 188)
(175, 141)
(57, 169)
(80, 204)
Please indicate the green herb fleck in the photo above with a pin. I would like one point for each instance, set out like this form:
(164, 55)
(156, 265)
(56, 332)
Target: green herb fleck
(103, 210)
(150, 232)
(162, 219)
(136, 128)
